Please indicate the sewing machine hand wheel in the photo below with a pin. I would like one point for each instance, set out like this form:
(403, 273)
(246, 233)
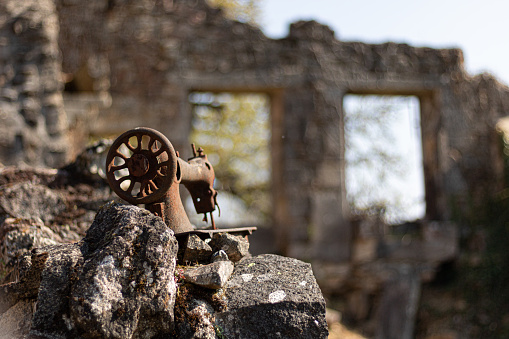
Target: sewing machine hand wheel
(141, 166)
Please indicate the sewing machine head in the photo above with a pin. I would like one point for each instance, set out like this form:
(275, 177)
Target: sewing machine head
(142, 167)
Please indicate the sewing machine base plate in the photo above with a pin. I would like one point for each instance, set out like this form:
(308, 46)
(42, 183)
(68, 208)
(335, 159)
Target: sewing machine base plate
(208, 233)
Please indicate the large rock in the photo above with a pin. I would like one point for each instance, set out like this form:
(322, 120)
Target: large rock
(52, 316)
(118, 282)
(125, 287)
(270, 296)
(40, 207)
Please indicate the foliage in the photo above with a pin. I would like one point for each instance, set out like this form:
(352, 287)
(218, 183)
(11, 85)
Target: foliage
(247, 11)
(235, 133)
(486, 283)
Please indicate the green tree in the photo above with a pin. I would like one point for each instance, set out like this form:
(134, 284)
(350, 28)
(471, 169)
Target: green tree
(235, 133)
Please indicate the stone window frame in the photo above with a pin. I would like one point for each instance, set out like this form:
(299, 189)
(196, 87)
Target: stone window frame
(430, 113)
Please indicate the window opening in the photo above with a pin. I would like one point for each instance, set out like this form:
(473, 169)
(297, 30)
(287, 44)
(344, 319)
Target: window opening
(234, 131)
(383, 152)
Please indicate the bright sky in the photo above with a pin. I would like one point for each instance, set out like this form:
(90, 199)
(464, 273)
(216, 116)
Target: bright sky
(479, 28)
(400, 186)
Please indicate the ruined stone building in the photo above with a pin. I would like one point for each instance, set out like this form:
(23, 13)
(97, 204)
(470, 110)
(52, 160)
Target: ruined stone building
(134, 63)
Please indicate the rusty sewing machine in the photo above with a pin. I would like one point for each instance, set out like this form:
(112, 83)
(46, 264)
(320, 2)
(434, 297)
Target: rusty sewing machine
(143, 168)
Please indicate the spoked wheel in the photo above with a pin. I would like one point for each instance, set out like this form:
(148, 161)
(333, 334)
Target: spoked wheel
(141, 166)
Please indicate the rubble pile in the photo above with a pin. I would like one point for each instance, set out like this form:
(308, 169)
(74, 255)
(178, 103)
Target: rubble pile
(127, 276)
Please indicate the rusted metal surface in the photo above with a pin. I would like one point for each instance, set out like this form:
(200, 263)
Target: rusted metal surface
(204, 233)
(138, 173)
(142, 167)
(198, 177)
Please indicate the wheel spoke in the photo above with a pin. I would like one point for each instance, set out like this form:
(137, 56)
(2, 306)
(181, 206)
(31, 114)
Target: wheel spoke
(150, 144)
(118, 154)
(159, 152)
(131, 187)
(160, 172)
(114, 168)
(128, 144)
(166, 163)
(144, 189)
(138, 138)
(121, 180)
(153, 185)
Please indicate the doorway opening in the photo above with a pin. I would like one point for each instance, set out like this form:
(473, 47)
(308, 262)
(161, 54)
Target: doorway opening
(234, 130)
(384, 157)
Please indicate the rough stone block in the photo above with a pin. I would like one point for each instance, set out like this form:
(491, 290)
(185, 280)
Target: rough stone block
(30, 201)
(235, 247)
(18, 237)
(118, 282)
(213, 275)
(194, 250)
(200, 322)
(125, 287)
(270, 296)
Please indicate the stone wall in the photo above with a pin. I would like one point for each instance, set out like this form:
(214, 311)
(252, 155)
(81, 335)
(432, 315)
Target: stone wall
(32, 120)
(134, 63)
